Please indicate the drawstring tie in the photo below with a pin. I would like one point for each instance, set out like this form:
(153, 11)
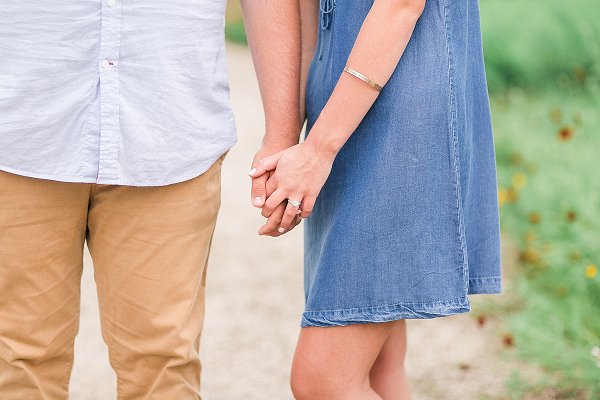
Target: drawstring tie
(326, 7)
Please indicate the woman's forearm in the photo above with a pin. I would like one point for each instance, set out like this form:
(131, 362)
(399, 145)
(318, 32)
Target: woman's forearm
(378, 48)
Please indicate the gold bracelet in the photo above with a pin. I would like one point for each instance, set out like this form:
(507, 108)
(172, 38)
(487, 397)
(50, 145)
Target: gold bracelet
(362, 77)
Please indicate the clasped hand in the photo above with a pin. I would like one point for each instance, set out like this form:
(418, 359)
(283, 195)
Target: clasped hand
(296, 174)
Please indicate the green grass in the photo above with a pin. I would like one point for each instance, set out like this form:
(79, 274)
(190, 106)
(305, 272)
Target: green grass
(536, 44)
(543, 67)
(550, 195)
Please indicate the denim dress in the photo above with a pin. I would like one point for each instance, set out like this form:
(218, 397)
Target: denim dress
(406, 225)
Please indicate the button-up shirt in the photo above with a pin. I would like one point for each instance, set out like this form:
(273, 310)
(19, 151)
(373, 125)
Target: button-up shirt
(118, 92)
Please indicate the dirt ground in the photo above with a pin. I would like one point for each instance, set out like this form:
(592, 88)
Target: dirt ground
(255, 300)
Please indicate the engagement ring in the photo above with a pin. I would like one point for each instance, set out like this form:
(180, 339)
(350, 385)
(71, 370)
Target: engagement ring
(294, 203)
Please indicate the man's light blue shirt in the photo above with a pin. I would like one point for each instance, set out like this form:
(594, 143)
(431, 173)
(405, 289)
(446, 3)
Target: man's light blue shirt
(116, 92)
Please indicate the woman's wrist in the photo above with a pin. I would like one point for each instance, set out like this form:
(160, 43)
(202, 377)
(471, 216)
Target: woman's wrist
(322, 146)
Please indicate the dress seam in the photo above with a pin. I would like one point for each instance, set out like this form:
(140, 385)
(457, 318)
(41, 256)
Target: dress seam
(455, 158)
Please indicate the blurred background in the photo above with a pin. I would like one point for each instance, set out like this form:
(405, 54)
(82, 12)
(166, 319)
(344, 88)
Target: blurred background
(543, 69)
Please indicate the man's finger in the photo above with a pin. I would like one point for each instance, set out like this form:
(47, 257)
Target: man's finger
(272, 202)
(270, 227)
(259, 191)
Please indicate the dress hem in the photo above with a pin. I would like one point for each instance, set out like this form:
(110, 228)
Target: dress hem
(370, 315)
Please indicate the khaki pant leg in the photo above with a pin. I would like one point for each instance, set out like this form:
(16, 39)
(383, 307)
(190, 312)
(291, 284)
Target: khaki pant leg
(150, 247)
(42, 231)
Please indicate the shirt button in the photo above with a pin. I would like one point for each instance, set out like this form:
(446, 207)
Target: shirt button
(111, 3)
(105, 64)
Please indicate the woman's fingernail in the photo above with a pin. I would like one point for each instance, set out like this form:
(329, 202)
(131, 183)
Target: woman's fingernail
(257, 201)
(281, 230)
(252, 171)
(298, 212)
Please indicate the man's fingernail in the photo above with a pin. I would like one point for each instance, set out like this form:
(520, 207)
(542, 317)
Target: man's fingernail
(253, 170)
(281, 230)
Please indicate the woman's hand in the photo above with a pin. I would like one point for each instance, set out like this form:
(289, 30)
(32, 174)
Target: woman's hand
(259, 191)
(297, 174)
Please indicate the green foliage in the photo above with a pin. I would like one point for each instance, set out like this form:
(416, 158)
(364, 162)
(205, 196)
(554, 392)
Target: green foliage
(534, 44)
(235, 31)
(549, 190)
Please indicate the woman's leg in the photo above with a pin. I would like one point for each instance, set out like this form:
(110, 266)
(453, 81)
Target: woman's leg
(388, 376)
(335, 362)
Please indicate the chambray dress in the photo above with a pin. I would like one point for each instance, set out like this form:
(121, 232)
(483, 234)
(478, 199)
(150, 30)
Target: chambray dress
(407, 224)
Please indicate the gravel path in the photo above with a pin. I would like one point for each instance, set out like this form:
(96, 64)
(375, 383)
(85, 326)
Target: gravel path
(255, 299)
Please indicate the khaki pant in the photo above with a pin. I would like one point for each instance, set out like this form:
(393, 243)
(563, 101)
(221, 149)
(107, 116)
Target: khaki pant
(150, 247)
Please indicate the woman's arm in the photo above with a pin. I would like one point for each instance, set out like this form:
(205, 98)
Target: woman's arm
(301, 171)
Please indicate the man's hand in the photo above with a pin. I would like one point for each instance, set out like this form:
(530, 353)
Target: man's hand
(259, 191)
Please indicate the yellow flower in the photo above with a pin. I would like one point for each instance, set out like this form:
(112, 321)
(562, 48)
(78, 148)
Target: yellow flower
(502, 195)
(556, 115)
(519, 180)
(591, 271)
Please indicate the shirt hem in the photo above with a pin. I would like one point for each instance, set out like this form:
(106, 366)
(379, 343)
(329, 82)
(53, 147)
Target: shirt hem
(46, 177)
(118, 182)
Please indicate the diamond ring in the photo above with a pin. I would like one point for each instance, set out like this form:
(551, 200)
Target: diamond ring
(294, 203)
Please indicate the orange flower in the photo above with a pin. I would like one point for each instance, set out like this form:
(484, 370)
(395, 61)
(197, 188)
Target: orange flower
(516, 159)
(512, 196)
(562, 291)
(481, 320)
(530, 256)
(508, 339)
(580, 75)
(571, 215)
(565, 134)
(591, 271)
(535, 218)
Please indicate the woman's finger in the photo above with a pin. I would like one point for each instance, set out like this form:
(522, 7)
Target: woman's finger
(307, 206)
(290, 213)
(264, 165)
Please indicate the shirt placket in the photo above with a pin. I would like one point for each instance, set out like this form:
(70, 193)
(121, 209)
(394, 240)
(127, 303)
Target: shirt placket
(110, 41)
